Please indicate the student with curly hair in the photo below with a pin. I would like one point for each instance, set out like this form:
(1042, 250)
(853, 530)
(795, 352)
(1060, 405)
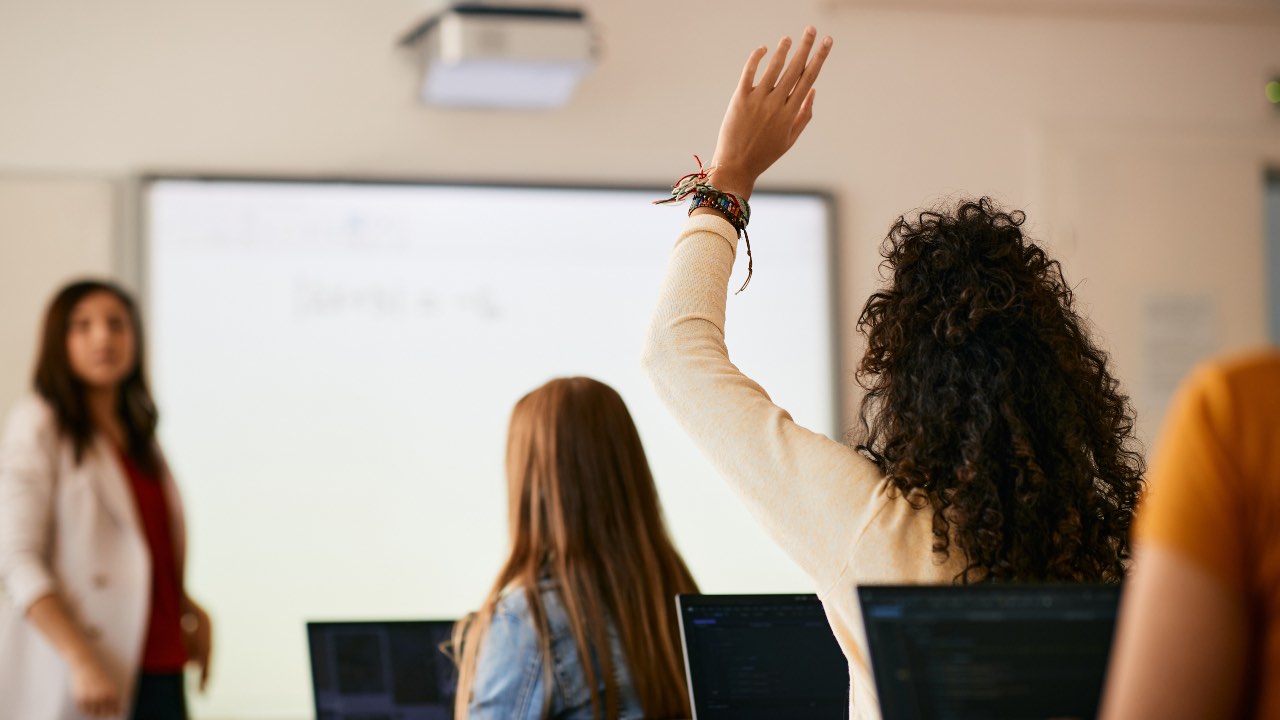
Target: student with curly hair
(995, 445)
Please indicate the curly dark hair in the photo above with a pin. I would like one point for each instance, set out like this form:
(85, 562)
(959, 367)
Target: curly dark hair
(987, 400)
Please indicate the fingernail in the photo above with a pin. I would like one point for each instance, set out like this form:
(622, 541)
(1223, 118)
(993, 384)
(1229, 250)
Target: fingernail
(826, 41)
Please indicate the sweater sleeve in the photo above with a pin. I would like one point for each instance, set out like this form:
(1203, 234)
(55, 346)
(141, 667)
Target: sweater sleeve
(807, 490)
(28, 452)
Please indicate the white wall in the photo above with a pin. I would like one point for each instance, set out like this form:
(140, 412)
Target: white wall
(51, 229)
(1136, 141)
(914, 105)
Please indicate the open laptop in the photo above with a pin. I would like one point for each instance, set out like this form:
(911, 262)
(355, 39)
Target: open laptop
(1006, 651)
(382, 670)
(751, 657)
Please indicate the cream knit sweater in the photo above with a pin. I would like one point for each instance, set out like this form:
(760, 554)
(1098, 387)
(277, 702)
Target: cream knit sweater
(825, 504)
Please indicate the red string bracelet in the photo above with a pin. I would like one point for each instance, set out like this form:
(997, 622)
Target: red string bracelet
(735, 209)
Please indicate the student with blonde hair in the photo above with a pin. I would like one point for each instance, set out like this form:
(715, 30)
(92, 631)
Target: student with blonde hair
(581, 620)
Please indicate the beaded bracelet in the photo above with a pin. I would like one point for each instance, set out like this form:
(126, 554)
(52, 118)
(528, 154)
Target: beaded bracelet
(735, 209)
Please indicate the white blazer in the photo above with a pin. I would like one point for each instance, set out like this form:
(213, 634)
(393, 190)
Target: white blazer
(75, 530)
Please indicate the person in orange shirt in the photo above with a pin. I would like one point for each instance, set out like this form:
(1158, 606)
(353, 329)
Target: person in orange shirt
(1199, 628)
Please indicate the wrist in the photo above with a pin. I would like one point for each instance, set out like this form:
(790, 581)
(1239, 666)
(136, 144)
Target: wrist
(734, 209)
(731, 180)
(707, 210)
(81, 660)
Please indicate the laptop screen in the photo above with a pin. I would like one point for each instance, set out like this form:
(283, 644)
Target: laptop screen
(762, 656)
(1009, 651)
(381, 670)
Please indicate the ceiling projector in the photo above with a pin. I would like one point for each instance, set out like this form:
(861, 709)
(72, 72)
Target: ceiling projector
(501, 56)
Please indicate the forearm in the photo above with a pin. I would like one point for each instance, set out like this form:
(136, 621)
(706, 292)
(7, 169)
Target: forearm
(686, 334)
(49, 615)
(801, 486)
(1199, 644)
(96, 692)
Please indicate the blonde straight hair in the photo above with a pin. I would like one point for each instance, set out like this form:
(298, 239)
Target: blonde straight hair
(584, 512)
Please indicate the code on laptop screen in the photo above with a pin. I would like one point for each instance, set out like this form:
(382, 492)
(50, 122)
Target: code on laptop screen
(992, 651)
(756, 657)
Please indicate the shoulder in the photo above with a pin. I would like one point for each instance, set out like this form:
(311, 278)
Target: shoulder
(889, 514)
(512, 632)
(1247, 383)
(895, 541)
(513, 604)
(1239, 380)
(31, 410)
(513, 618)
(30, 418)
(1250, 366)
(1234, 400)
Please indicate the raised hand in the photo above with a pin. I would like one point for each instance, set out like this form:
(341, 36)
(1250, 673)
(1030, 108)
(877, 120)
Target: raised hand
(765, 117)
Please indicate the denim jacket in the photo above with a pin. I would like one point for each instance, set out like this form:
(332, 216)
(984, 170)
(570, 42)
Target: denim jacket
(510, 683)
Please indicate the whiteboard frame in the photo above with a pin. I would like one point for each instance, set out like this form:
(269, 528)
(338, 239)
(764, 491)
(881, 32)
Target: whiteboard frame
(141, 252)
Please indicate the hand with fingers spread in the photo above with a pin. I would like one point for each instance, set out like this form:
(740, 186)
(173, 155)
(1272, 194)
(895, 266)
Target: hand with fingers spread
(766, 116)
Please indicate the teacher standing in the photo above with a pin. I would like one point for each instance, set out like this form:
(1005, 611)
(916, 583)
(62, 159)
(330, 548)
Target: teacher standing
(94, 619)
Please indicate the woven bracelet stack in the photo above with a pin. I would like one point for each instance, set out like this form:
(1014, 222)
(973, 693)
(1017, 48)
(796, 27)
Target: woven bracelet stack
(697, 185)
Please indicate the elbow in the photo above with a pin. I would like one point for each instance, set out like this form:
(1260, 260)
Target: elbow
(649, 357)
(655, 358)
(24, 579)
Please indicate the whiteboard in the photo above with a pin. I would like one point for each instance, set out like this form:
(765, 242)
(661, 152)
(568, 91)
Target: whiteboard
(335, 365)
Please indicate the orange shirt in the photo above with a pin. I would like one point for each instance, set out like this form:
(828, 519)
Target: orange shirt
(1215, 498)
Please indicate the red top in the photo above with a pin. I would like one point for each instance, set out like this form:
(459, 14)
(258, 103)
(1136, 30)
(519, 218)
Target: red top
(164, 651)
